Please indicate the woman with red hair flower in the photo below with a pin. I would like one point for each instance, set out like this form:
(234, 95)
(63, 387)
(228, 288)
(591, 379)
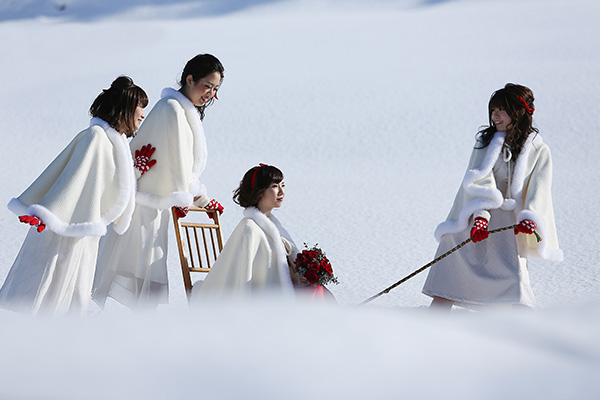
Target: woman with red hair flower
(260, 256)
(508, 182)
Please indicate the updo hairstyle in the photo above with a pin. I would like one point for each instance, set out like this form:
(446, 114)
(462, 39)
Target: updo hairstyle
(116, 105)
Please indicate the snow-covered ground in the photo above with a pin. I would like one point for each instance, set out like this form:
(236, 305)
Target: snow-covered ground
(370, 109)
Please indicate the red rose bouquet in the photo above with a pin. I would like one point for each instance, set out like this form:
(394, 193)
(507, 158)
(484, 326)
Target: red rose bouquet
(313, 265)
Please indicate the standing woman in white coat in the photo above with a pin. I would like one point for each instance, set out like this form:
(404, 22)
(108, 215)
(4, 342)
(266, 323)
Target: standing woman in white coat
(132, 269)
(257, 257)
(508, 182)
(90, 185)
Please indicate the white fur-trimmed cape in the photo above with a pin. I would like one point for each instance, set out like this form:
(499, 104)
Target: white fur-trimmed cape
(530, 189)
(89, 185)
(174, 128)
(253, 261)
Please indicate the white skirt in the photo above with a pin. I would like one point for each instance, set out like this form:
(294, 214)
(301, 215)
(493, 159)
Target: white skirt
(132, 268)
(483, 273)
(52, 274)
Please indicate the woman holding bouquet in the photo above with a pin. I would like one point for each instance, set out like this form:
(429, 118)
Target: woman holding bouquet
(259, 256)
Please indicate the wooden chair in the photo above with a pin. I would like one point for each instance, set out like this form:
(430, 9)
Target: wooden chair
(199, 243)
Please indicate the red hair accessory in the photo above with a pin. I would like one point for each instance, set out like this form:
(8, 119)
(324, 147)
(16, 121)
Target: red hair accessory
(254, 174)
(529, 109)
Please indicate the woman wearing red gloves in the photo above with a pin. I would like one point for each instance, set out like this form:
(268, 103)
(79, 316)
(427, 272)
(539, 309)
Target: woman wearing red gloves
(90, 185)
(132, 269)
(508, 182)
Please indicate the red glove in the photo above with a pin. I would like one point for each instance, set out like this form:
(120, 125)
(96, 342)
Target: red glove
(33, 221)
(142, 158)
(525, 226)
(479, 231)
(214, 205)
(181, 212)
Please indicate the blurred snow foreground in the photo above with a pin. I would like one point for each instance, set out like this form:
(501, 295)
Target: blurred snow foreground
(277, 350)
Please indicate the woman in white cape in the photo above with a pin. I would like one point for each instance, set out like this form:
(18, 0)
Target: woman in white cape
(132, 269)
(90, 185)
(258, 258)
(508, 182)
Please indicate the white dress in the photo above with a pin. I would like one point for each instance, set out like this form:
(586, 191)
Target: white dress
(52, 274)
(494, 271)
(132, 268)
(90, 185)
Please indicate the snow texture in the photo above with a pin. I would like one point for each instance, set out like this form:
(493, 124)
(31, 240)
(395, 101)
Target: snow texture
(370, 109)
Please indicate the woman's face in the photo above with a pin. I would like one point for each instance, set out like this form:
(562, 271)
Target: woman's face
(272, 197)
(500, 119)
(202, 91)
(138, 117)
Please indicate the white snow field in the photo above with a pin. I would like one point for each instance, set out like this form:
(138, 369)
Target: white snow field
(370, 109)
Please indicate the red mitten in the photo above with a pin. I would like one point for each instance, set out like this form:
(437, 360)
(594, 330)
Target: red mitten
(525, 226)
(214, 205)
(479, 231)
(181, 212)
(142, 158)
(33, 221)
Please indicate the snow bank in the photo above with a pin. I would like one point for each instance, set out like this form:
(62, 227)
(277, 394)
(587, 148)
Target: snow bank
(297, 351)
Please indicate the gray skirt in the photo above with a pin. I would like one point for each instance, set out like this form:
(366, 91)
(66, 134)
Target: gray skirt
(484, 273)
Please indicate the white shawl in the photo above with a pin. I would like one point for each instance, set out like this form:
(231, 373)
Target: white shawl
(89, 185)
(253, 261)
(530, 191)
(175, 129)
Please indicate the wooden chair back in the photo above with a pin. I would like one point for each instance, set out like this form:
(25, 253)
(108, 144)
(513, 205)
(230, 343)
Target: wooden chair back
(199, 243)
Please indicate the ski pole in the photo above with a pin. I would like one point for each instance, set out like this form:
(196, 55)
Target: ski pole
(446, 254)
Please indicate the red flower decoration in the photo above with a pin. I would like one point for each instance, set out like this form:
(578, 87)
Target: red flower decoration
(313, 265)
(526, 106)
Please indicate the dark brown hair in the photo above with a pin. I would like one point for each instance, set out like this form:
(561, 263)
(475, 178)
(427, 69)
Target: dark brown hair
(199, 67)
(116, 105)
(520, 112)
(247, 194)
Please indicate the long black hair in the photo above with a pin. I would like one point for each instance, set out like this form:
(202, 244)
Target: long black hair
(199, 67)
(517, 101)
(254, 183)
(116, 105)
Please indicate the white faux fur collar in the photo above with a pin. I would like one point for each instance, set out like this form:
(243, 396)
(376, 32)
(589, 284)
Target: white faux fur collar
(488, 198)
(518, 176)
(193, 118)
(125, 204)
(273, 228)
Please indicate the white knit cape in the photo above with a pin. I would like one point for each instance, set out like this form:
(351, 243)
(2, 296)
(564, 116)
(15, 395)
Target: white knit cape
(252, 262)
(89, 185)
(530, 188)
(174, 128)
